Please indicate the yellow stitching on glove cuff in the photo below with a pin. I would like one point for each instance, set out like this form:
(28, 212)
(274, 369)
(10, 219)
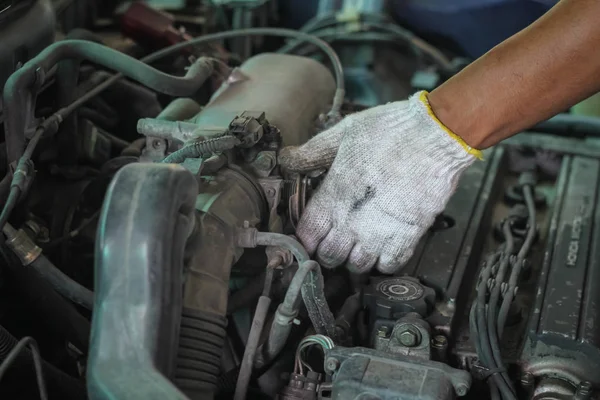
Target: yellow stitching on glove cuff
(477, 153)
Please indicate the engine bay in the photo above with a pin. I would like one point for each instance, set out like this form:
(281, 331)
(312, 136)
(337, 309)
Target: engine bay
(150, 249)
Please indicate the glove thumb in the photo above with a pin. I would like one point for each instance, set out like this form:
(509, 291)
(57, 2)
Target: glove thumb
(317, 153)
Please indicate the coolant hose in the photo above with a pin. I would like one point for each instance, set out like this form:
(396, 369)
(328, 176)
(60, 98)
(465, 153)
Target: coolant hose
(67, 77)
(307, 282)
(21, 87)
(46, 306)
(19, 242)
(63, 284)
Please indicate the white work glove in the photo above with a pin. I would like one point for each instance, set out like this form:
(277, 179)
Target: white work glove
(394, 168)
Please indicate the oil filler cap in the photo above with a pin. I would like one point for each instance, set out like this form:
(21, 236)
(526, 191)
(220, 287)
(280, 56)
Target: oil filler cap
(394, 297)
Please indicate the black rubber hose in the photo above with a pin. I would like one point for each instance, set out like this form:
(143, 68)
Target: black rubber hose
(202, 149)
(20, 89)
(59, 383)
(258, 323)
(67, 77)
(46, 305)
(62, 283)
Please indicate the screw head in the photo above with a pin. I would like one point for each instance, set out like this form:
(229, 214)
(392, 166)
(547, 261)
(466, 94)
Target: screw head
(332, 364)
(440, 342)
(383, 330)
(157, 144)
(409, 337)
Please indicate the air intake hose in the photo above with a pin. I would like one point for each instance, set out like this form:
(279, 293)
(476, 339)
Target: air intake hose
(147, 216)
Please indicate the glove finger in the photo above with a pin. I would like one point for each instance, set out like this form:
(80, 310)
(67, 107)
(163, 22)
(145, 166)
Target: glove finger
(314, 225)
(319, 152)
(335, 248)
(361, 259)
(396, 252)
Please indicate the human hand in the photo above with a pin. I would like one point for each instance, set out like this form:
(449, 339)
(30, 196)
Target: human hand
(392, 170)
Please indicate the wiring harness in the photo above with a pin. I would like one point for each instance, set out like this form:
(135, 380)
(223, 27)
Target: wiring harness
(496, 291)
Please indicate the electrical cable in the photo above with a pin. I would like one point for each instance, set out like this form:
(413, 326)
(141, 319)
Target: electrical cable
(480, 309)
(74, 233)
(37, 362)
(418, 44)
(520, 260)
(492, 310)
(323, 341)
(486, 321)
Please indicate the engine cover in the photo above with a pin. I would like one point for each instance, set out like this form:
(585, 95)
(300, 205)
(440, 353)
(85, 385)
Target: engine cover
(552, 332)
(564, 337)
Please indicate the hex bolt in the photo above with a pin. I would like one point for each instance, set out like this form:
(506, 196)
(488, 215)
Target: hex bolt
(382, 332)
(439, 342)
(409, 336)
(332, 364)
(584, 390)
(462, 389)
(527, 380)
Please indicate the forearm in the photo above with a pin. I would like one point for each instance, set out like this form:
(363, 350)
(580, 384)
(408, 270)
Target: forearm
(532, 76)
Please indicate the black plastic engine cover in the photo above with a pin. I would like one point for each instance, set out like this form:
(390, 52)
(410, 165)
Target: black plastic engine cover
(553, 330)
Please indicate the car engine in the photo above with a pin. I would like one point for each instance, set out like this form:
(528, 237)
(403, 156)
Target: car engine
(149, 245)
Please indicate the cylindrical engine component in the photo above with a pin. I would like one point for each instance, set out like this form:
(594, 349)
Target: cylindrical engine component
(292, 91)
(230, 199)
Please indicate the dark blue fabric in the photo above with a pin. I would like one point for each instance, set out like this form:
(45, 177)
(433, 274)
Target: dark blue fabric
(474, 26)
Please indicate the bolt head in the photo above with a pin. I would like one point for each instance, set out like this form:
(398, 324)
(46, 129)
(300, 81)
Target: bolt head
(157, 144)
(332, 364)
(382, 332)
(440, 342)
(408, 338)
